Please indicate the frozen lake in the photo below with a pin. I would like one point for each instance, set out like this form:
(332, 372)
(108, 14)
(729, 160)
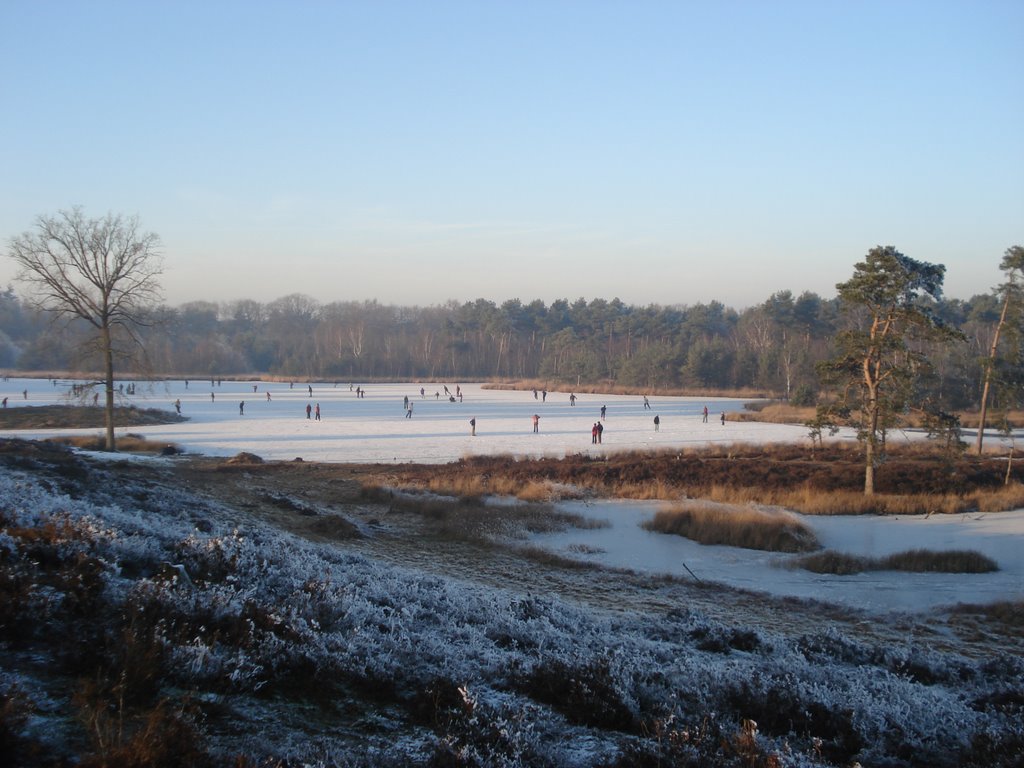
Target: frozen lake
(374, 428)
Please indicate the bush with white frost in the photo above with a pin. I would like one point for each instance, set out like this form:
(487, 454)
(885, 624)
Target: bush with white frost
(257, 619)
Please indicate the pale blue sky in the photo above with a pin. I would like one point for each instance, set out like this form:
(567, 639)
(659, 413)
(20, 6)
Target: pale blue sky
(415, 152)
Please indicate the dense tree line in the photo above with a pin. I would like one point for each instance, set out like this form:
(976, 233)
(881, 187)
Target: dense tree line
(773, 347)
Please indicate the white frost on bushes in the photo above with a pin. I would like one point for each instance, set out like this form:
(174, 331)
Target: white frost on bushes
(352, 618)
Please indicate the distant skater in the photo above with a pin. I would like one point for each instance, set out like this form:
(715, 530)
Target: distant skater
(572, 399)
(723, 418)
(268, 395)
(5, 402)
(316, 412)
(309, 410)
(647, 403)
(177, 406)
(544, 396)
(705, 414)
(657, 423)
(310, 386)
(212, 397)
(593, 434)
(604, 408)
(241, 408)
(536, 423)
(408, 411)
(600, 433)
(472, 427)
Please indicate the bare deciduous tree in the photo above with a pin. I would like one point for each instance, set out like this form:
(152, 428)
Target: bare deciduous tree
(103, 271)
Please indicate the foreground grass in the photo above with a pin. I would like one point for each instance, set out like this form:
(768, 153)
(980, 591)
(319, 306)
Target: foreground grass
(912, 561)
(160, 633)
(749, 528)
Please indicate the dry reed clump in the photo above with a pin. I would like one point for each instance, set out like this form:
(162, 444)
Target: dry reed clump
(775, 413)
(1006, 497)
(749, 528)
(1014, 417)
(489, 484)
(813, 501)
(125, 444)
(655, 490)
(912, 561)
(609, 387)
(1009, 613)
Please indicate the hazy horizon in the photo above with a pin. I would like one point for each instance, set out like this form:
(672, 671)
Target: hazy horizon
(668, 153)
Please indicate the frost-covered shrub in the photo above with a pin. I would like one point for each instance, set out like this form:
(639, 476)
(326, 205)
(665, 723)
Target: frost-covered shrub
(779, 707)
(586, 691)
(185, 595)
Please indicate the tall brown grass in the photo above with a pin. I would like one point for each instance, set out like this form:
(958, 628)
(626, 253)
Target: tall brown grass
(811, 501)
(125, 443)
(750, 528)
(775, 413)
(913, 560)
(489, 484)
(609, 387)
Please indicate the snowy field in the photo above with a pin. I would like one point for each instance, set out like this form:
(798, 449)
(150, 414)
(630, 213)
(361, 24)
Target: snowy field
(374, 428)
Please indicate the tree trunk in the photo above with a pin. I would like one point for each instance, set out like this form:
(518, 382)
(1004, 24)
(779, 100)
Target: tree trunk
(108, 374)
(869, 467)
(871, 444)
(990, 363)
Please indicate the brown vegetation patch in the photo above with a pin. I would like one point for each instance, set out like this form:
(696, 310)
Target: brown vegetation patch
(828, 480)
(334, 527)
(609, 387)
(775, 413)
(470, 518)
(81, 417)
(1007, 612)
(245, 458)
(125, 444)
(746, 527)
(912, 561)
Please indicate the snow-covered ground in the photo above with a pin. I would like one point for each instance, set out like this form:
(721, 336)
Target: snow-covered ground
(374, 428)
